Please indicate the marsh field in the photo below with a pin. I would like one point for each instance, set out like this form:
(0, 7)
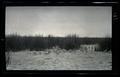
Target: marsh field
(60, 59)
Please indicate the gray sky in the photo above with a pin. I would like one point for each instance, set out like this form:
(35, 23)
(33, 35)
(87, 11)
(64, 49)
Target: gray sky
(59, 20)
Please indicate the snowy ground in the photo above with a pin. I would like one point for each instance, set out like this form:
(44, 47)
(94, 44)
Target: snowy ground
(60, 59)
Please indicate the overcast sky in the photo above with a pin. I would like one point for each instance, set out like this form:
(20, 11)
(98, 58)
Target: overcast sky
(59, 20)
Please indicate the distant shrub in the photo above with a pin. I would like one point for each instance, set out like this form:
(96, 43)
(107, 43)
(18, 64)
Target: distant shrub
(105, 45)
(8, 58)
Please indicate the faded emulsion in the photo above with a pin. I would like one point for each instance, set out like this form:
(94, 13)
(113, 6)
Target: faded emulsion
(58, 38)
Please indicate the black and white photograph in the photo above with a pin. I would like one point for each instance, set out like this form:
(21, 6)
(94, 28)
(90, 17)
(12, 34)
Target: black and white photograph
(58, 37)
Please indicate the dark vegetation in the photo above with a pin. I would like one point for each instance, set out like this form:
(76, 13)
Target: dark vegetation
(17, 42)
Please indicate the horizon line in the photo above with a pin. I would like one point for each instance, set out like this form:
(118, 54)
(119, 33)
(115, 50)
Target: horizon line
(59, 36)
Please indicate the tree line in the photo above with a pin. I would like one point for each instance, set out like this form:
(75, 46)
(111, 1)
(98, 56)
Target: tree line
(17, 42)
